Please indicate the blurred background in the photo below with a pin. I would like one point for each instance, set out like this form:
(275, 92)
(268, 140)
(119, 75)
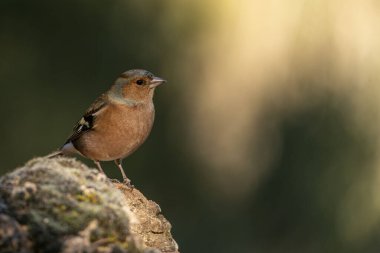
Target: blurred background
(266, 134)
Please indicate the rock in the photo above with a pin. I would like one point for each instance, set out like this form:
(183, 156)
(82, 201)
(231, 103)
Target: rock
(152, 227)
(61, 205)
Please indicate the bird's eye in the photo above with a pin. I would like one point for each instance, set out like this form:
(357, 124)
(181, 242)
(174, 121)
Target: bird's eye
(140, 82)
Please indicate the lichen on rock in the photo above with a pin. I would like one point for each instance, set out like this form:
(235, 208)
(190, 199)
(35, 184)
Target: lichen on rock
(60, 205)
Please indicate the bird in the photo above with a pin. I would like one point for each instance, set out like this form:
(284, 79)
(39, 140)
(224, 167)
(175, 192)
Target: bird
(117, 122)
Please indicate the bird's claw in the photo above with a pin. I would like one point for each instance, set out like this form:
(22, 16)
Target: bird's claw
(114, 180)
(127, 182)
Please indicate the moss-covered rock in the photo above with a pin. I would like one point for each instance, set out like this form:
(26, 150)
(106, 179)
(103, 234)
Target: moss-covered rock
(60, 205)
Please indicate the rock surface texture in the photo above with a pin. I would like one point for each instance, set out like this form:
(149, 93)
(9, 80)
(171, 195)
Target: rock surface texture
(61, 205)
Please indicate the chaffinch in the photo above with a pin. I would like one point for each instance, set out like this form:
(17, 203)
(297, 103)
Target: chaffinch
(118, 122)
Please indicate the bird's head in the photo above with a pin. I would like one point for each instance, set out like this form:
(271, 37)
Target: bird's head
(135, 85)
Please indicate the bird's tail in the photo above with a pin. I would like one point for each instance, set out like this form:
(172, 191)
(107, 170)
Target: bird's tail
(54, 154)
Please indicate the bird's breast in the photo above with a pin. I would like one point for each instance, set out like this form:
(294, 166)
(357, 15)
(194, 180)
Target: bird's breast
(119, 131)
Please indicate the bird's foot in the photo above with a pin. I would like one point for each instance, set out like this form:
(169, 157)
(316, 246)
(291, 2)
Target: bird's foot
(114, 180)
(127, 182)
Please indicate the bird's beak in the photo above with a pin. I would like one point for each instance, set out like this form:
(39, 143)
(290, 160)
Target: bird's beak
(156, 81)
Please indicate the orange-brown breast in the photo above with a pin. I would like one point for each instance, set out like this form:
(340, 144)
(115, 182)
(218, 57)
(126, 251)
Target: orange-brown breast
(118, 131)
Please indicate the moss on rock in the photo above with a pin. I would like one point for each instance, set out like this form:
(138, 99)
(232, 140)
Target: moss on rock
(60, 205)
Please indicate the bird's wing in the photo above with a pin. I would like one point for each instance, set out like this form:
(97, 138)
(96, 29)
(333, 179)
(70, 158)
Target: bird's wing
(87, 122)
